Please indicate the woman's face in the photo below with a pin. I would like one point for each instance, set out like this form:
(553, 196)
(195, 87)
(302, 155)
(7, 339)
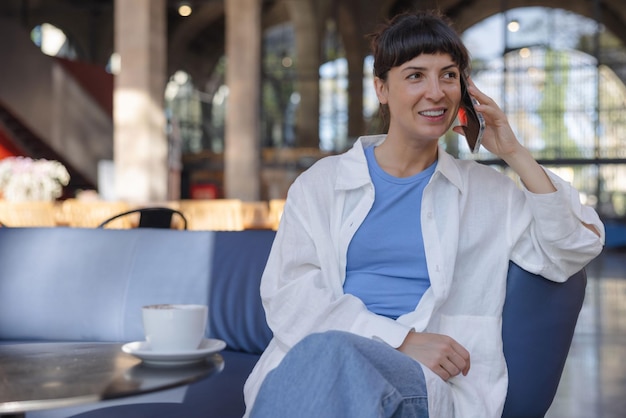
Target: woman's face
(423, 96)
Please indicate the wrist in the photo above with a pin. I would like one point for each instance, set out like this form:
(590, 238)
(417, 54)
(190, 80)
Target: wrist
(530, 171)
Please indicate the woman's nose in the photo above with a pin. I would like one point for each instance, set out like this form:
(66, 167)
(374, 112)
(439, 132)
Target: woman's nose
(435, 90)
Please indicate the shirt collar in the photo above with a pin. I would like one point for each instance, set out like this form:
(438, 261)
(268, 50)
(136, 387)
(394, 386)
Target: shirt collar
(448, 167)
(353, 172)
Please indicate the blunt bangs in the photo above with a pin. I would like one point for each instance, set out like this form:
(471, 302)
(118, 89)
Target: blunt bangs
(408, 36)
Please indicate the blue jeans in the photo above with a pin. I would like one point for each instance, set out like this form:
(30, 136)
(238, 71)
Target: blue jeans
(342, 375)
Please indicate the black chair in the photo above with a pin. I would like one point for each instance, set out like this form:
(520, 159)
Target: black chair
(151, 217)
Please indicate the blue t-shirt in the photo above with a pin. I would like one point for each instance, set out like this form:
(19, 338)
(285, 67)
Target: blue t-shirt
(386, 264)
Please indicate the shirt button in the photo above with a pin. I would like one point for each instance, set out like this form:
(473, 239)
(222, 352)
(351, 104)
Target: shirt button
(429, 215)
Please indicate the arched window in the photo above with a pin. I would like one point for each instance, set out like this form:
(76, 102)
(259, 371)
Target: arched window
(560, 77)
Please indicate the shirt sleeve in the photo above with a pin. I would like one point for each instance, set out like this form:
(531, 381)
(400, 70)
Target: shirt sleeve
(556, 243)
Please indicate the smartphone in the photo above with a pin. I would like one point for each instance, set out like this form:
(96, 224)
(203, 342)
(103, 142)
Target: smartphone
(473, 122)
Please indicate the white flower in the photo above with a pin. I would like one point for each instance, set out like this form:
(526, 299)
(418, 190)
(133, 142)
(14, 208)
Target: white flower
(24, 179)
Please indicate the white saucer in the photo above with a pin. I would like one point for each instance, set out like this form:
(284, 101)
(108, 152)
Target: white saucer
(142, 350)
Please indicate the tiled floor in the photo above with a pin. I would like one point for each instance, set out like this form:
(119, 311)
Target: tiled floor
(594, 380)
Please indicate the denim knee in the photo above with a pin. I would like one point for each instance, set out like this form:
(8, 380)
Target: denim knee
(327, 339)
(339, 374)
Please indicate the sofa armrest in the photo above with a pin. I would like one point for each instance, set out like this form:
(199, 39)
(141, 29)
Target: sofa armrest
(538, 325)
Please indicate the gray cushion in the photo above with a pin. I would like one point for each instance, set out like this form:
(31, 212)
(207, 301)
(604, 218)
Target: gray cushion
(90, 284)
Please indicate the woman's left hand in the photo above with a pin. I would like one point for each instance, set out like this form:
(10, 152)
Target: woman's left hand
(498, 137)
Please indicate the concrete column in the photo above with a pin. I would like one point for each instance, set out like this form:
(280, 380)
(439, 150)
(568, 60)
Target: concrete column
(356, 48)
(243, 77)
(307, 21)
(139, 138)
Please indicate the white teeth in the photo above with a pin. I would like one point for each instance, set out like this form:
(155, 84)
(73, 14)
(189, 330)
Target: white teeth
(432, 113)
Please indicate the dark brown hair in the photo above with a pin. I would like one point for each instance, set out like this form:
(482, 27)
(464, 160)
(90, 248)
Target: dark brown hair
(410, 34)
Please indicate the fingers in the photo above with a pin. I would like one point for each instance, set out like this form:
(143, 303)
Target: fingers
(440, 353)
(499, 137)
(454, 361)
(463, 358)
(477, 93)
(486, 103)
(474, 91)
(454, 364)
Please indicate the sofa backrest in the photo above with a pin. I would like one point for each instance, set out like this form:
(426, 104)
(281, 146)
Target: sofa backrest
(88, 284)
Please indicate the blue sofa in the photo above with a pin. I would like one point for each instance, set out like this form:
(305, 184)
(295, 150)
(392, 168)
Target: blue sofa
(73, 284)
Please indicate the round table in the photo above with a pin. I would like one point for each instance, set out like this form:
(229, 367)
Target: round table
(51, 375)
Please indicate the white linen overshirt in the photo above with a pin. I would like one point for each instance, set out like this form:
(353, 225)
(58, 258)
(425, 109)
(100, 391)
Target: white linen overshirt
(474, 220)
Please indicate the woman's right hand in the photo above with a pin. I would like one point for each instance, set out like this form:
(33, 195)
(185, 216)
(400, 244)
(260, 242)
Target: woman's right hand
(440, 353)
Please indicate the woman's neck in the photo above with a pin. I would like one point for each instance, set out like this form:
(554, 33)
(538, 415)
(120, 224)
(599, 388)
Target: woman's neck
(405, 159)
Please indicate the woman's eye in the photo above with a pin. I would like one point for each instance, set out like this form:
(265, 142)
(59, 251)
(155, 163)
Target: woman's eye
(451, 75)
(415, 76)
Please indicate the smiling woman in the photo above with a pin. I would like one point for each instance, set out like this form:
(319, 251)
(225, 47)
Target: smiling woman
(398, 275)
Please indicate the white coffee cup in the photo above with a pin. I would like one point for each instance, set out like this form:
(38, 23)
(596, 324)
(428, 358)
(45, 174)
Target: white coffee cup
(174, 327)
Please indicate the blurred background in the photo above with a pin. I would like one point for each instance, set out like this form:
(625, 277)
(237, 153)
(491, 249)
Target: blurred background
(152, 100)
(213, 107)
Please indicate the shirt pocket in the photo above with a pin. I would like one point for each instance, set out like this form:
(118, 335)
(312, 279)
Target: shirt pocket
(482, 392)
(482, 337)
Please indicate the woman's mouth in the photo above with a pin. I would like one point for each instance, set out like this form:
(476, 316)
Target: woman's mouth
(437, 113)
(433, 113)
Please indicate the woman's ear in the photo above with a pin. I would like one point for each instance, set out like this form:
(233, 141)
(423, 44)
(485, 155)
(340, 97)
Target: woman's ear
(381, 90)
